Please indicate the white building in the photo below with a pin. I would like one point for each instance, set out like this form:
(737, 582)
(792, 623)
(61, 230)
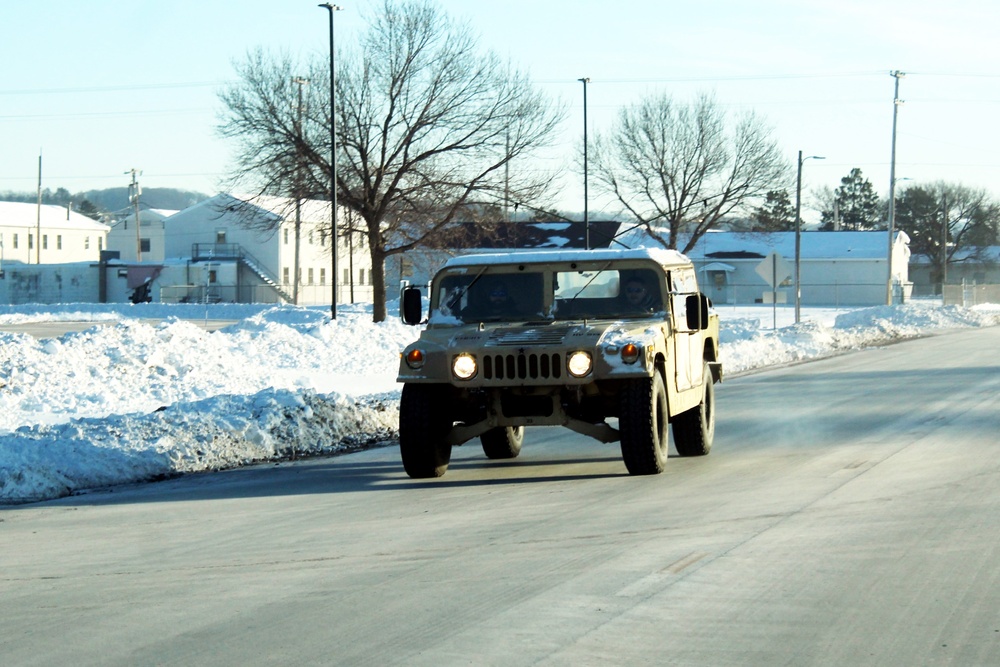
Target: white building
(243, 249)
(145, 244)
(49, 234)
(835, 268)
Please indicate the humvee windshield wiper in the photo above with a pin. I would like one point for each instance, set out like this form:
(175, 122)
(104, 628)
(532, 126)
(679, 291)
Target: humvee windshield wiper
(599, 272)
(465, 290)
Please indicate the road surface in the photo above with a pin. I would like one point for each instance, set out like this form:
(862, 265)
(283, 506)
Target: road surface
(848, 515)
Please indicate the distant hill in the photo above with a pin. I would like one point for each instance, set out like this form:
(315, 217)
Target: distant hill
(110, 200)
(114, 199)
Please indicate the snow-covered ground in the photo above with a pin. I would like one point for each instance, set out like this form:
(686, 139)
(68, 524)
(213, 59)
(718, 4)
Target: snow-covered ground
(146, 393)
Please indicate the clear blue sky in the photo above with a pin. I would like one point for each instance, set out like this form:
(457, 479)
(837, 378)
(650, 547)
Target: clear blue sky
(107, 85)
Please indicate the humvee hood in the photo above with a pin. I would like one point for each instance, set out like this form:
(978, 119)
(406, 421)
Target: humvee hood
(527, 335)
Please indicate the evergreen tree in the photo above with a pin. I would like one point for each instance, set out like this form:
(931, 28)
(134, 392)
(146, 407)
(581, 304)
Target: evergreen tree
(87, 208)
(857, 205)
(776, 214)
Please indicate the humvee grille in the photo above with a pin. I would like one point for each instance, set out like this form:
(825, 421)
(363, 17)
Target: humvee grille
(522, 366)
(539, 336)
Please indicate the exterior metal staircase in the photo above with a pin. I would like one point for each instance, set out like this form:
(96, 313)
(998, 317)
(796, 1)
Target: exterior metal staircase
(201, 252)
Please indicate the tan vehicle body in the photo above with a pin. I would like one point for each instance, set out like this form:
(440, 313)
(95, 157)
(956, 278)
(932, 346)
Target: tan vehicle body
(579, 338)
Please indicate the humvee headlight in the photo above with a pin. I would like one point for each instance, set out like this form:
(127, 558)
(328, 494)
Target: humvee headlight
(579, 363)
(464, 366)
(415, 359)
(630, 353)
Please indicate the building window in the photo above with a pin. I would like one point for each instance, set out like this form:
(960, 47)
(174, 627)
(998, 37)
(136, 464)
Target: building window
(86, 243)
(284, 275)
(31, 241)
(310, 276)
(347, 276)
(45, 241)
(59, 242)
(361, 276)
(144, 245)
(15, 241)
(213, 276)
(322, 276)
(286, 237)
(310, 237)
(100, 244)
(220, 235)
(322, 238)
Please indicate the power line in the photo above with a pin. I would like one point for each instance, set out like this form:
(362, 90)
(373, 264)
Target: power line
(108, 114)
(113, 89)
(768, 77)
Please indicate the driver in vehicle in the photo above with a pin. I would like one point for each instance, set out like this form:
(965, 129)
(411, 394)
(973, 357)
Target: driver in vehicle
(638, 297)
(493, 302)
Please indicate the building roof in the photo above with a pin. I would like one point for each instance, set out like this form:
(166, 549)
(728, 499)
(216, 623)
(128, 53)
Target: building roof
(538, 235)
(717, 245)
(20, 214)
(311, 210)
(658, 255)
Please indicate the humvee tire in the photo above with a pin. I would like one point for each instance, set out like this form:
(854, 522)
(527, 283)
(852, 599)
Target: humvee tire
(423, 429)
(694, 429)
(643, 424)
(503, 442)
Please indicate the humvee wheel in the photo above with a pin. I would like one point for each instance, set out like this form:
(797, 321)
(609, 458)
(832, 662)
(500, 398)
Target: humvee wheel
(642, 423)
(423, 427)
(694, 429)
(503, 442)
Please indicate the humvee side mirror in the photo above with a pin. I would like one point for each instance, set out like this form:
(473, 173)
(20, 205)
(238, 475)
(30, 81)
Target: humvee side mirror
(410, 308)
(697, 306)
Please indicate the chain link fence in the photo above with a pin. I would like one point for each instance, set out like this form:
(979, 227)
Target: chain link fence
(970, 293)
(812, 294)
(308, 294)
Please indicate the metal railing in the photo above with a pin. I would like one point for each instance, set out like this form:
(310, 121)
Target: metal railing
(201, 252)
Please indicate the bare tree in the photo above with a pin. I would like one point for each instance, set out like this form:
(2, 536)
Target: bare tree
(678, 171)
(947, 222)
(277, 146)
(427, 125)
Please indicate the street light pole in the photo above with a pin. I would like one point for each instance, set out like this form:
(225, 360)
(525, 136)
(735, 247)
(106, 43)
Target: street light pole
(944, 242)
(798, 234)
(586, 212)
(333, 162)
(896, 74)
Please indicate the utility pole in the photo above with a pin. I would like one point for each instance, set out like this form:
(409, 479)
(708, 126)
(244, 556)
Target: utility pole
(896, 102)
(798, 234)
(133, 196)
(586, 212)
(38, 216)
(944, 242)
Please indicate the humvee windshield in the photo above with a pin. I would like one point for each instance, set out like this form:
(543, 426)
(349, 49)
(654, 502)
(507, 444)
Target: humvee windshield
(485, 294)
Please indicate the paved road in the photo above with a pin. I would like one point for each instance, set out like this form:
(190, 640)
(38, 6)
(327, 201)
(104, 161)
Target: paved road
(848, 515)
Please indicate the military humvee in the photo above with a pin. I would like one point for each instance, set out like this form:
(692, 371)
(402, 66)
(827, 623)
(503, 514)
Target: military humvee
(569, 338)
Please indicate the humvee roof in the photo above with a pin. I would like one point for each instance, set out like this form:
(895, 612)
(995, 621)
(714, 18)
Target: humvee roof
(661, 256)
